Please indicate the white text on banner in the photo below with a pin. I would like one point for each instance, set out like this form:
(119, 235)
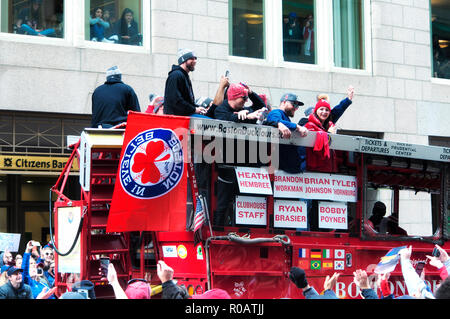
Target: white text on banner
(340, 188)
(251, 210)
(290, 214)
(333, 215)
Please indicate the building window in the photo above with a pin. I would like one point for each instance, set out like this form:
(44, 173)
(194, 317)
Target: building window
(298, 31)
(247, 28)
(117, 21)
(440, 22)
(33, 17)
(348, 33)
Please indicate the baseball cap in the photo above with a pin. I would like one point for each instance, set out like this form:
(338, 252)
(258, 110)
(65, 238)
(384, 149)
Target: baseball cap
(293, 98)
(11, 270)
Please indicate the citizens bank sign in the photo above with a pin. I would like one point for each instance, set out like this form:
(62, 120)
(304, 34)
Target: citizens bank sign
(34, 163)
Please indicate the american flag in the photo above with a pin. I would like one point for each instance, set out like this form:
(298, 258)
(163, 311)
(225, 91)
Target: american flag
(199, 217)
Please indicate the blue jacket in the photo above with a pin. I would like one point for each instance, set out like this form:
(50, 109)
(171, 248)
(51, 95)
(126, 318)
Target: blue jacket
(36, 286)
(292, 158)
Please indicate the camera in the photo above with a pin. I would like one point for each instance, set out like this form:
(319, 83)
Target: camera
(40, 271)
(436, 252)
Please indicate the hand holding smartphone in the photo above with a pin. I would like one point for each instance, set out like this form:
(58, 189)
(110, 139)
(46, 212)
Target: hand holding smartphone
(104, 263)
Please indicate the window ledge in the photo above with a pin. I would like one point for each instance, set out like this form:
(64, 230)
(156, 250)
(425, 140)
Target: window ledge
(440, 81)
(31, 39)
(113, 47)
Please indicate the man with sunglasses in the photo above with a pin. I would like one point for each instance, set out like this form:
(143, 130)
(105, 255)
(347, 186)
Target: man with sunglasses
(292, 158)
(232, 109)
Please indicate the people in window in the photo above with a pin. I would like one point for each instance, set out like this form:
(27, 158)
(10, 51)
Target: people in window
(99, 26)
(127, 29)
(31, 20)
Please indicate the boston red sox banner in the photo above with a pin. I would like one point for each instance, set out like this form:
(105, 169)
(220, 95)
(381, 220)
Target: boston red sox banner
(151, 182)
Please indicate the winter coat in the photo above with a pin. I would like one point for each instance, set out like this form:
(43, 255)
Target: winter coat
(7, 291)
(226, 113)
(178, 94)
(111, 103)
(320, 158)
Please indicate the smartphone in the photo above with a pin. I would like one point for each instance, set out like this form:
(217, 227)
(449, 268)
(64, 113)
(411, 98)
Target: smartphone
(36, 244)
(436, 252)
(227, 73)
(40, 271)
(104, 263)
(419, 267)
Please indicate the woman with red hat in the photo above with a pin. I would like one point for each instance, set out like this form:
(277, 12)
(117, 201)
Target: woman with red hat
(321, 158)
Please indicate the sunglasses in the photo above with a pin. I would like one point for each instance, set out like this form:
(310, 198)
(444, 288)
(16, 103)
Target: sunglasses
(245, 97)
(135, 280)
(48, 254)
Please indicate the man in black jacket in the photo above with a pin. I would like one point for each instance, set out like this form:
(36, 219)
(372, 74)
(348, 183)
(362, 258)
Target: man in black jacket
(112, 101)
(15, 288)
(178, 94)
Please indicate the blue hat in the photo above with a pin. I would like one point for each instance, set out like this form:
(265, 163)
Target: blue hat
(4, 268)
(12, 270)
(291, 97)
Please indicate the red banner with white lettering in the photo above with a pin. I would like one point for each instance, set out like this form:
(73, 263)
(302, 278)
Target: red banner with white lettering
(151, 183)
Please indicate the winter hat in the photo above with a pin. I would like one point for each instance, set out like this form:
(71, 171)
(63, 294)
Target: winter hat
(138, 290)
(322, 103)
(184, 55)
(236, 91)
(213, 294)
(204, 101)
(72, 295)
(113, 73)
(298, 277)
(309, 111)
(84, 285)
(157, 103)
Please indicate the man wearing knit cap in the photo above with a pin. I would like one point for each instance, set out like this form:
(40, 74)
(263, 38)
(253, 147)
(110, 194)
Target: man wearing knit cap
(232, 109)
(178, 94)
(112, 101)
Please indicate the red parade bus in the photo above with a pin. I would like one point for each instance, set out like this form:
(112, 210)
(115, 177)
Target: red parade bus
(315, 221)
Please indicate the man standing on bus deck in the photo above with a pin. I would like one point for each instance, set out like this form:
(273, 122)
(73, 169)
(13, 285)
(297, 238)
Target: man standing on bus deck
(178, 94)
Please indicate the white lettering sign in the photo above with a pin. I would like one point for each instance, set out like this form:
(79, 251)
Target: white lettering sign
(9, 242)
(333, 215)
(290, 214)
(251, 210)
(253, 180)
(340, 188)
